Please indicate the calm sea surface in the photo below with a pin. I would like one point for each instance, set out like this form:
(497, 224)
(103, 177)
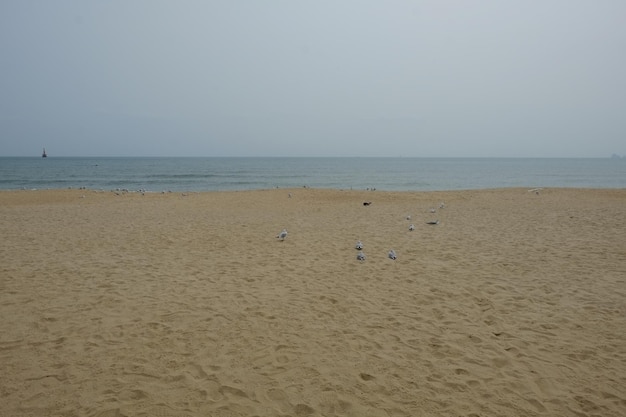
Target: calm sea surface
(390, 174)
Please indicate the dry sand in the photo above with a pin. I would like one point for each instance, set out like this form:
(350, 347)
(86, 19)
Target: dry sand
(188, 305)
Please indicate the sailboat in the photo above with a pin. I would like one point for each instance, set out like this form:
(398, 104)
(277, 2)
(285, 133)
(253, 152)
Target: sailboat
(44, 154)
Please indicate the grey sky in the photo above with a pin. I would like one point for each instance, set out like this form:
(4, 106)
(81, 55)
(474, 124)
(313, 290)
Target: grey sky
(316, 78)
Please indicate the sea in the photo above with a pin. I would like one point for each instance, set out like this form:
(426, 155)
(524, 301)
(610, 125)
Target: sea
(187, 174)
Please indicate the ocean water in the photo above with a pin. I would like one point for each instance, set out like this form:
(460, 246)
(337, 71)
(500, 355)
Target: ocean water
(389, 174)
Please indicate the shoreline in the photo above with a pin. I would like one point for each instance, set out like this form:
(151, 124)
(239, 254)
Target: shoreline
(305, 187)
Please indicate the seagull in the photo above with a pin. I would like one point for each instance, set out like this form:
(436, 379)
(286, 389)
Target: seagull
(392, 254)
(282, 235)
(408, 217)
(359, 245)
(360, 256)
(412, 227)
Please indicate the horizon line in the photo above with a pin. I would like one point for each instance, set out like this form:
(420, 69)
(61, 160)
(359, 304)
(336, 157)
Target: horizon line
(612, 156)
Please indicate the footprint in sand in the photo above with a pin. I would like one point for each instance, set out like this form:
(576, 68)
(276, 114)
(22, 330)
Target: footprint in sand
(304, 410)
(366, 377)
(278, 397)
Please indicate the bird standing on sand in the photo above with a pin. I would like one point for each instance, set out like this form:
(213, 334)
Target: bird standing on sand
(282, 235)
(392, 254)
(360, 256)
(359, 245)
(412, 227)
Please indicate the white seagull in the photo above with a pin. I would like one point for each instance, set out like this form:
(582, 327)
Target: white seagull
(360, 256)
(392, 254)
(282, 235)
(359, 245)
(412, 227)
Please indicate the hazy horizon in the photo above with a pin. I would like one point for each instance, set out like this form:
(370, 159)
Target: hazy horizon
(38, 156)
(508, 79)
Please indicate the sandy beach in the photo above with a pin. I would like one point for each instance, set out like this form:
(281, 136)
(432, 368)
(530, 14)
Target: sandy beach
(171, 304)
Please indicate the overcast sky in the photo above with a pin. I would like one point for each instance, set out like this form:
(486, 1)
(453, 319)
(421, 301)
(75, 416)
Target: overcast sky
(501, 78)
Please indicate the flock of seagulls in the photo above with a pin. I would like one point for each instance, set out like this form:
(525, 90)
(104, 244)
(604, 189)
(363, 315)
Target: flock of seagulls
(392, 253)
(359, 245)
